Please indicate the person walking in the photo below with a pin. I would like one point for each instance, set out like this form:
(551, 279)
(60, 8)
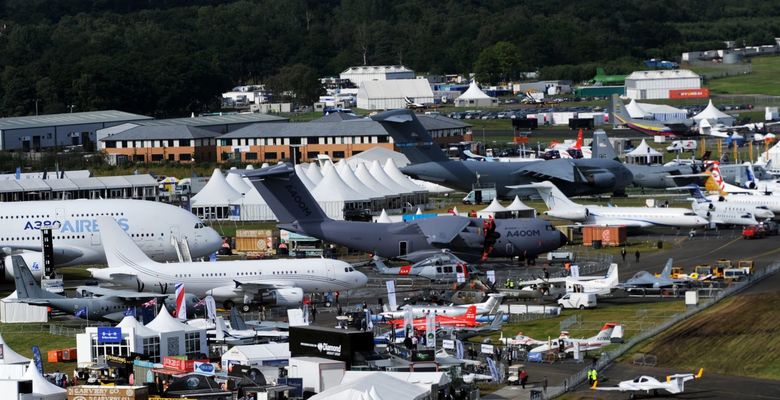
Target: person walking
(313, 313)
(590, 377)
(544, 385)
(637, 255)
(523, 378)
(623, 254)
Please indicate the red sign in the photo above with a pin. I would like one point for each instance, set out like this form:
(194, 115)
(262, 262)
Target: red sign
(405, 269)
(177, 364)
(702, 93)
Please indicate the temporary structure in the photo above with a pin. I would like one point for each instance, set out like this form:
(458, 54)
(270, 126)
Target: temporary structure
(495, 210)
(380, 154)
(348, 176)
(313, 173)
(520, 209)
(474, 96)
(644, 154)
(391, 169)
(334, 195)
(10, 356)
(384, 218)
(301, 172)
(375, 386)
(379, 174)
(41, 387)
(235, 181)
(714, 116)
(13, 311)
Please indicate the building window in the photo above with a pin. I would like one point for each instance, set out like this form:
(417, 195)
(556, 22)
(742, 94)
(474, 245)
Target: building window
(250, 156)
(157, 157)
(139, 158)
(295, 140)
(357, 139)
(312, 140)
(184, 142)
(110, 144)
(312, 155)
(269, 155)
(151, 348)
(382, 139)
(185, 157)
(192, 343)
(171, 157)
(225, 156)
(115, 349)
(338, 154)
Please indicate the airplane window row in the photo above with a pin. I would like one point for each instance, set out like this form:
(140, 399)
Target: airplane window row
(38, 238)
(23, 216)
(183, 275)
(284, 272)
(113, 214)
(248, 273)
(143, 235)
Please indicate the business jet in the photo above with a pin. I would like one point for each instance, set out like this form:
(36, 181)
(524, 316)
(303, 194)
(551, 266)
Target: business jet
(719, 210)
(638, 217)
(583, 284)
(154, 226)
(610, 333)
(274, 282)
(674, 384)
(736, 195)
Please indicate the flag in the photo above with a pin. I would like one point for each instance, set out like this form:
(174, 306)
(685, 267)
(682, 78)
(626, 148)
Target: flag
(305, 314)
(211, 309)
(18, 173)
(150, 303)
(391, 300)
(37, 359)
(181, 303)
(130, 312)
(459, 349)
(430, 330)
(408, 322)
(213, 257)
(493, 370)
(81, 313)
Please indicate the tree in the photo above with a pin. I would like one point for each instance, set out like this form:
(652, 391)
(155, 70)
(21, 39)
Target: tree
(498, 63)
(298, 83)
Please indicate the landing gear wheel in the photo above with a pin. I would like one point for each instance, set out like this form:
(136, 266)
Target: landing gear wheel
(328, 304)
(246, 308)
(228, 304)
(582, 307)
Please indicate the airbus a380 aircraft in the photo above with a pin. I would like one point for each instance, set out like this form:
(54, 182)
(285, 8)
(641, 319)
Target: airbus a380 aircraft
(280, 282)
(76, 232)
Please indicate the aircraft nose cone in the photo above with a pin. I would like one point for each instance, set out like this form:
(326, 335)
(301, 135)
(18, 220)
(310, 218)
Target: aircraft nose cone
(563, 239)
(213, 240)
(362, 280)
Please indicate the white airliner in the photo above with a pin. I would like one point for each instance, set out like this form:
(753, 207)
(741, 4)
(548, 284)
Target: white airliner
(561, 207)
(737, 195)
(724, 212)
(76, 235)
(280, 282)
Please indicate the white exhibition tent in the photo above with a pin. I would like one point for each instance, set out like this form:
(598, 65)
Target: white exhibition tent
(334, 195)
(424, 380)
(302, 175)
(380, 154)
(217, 192)
(520, 209)
(644, 154)
(314, 173)
(374, 386)
(235, 180)
(41, 387)
(474, 96)
(379, 174)
(365, 176)
(714, 116)
(384, 218)
(391, 169)
(494, 209)
(256, 354)
(12, 311)
(348, 176)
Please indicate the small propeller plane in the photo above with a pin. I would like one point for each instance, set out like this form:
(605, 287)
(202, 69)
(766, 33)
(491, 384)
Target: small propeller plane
(674, 384)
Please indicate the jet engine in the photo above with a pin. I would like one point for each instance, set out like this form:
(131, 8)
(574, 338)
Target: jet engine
(283, 297)
(34, 261)
(601, 179)
(224, 293)
(573, 214)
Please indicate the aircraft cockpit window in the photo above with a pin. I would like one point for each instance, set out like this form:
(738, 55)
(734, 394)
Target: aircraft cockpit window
(549, 228)
(199, 225)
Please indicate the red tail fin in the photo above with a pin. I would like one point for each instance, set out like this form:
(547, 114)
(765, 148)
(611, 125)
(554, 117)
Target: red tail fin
(578, 145)
(471, 314)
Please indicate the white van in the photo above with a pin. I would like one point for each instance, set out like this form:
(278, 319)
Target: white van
(479, 196)
(578, 300)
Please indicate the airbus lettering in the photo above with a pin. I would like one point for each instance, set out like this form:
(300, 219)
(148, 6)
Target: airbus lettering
(298, 200)
(72, 226)
(524, 233)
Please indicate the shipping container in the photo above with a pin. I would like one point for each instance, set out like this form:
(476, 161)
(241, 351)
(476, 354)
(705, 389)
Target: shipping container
(69, 354)
(54, 356)
(607, 235)
(255, 240)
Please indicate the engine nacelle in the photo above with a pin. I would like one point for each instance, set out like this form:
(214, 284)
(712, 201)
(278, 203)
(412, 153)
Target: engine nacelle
(283, 297)
(34, 261)
(574, 214)
(601, 179)
(225, 293)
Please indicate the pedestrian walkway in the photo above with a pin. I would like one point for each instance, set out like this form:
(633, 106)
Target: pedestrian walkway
(516, 392)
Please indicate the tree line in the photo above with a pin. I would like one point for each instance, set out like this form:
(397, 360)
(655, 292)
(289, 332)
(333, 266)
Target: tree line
(174, 57)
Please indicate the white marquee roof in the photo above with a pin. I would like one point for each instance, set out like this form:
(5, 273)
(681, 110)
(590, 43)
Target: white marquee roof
(379, 174)
(130, 323)
(473, 93)
(494, 207)
(711, 113)
(348, 176)
(40, 384)
(333, 188)
(235, 181)
(10, 356)
(398, 177)
(644, 150)
(366, 177)
(374, 386)
(301, 172)
(518, 205)
(395, 89)
(217, 192)
(267, 351)
(313, 173)
(384, 218)
(252, 196)
(164, 322)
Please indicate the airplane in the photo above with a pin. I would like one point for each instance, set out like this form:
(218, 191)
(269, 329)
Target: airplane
(470, 239)
(598, 285)
(467, 320)
(559, 206)
(487, 307)
(430, 163)
(76, 234)
(441, 267)
(412, 105)
(649, 126)
(646, 280)
(190, 300)
(279, 282)
(564, 150)
(736, 195)
(674, 384)
(605, 337)
(237, 332)
(109, 307)
(722, 212)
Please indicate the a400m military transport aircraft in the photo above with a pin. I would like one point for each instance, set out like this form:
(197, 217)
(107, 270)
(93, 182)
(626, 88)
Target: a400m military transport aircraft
(470, 239)
(575, 177)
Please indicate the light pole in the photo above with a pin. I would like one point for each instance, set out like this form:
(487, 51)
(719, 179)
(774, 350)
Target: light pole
(71, 107)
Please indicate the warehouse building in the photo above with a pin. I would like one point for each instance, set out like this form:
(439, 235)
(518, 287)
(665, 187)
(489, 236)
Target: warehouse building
(393, 94)
(664, 84)
(141, 187)
(35, 133)
(219, 123)
(358, 75)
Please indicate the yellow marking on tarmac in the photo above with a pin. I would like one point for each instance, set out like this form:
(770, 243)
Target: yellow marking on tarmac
(714, 250)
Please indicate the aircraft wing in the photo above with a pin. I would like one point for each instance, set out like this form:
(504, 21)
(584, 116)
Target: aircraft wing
(608, 388)
(443, 231)
(548, 171)
(125, 295)
(259, 286)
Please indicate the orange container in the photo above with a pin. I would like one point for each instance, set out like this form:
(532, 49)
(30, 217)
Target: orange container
(54, 356)
(69, 354)
(608, 235)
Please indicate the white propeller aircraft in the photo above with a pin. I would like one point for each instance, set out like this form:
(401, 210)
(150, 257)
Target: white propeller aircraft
(611, 331)
(674, 384)
(487, 307)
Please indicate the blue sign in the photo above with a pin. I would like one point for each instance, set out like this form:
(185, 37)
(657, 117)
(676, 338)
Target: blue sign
(535, 357)
(37, 359)
(296, 383)
(204, 368)
(412, 217)
(109, 335)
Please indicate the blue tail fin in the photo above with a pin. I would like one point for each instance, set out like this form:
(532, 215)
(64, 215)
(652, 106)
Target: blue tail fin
(410, 136)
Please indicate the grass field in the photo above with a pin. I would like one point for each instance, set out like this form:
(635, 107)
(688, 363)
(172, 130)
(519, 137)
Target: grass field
(742, 330)
(22, 337)
(765, 79)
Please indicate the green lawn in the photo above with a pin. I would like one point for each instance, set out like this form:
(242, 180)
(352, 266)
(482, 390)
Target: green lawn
(765, 79)
(22, 337)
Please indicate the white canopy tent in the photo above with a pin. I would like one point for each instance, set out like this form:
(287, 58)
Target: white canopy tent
(313, 173)
(379, 174)
(334, 195)
(474, 96)
(495, 210)
(12, 311)
(391, 169)
(424, 380)
(348, 176)
(384, 218)
(302, 175)
(634, 110)
(520, 209)
(236, 182)
(374, 386)
(215, 199)
(644, 154)
(42, 388)
(714, 116)
(393, 199)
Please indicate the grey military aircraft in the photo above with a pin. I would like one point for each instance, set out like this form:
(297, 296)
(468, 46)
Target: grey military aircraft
(470, 239)
(646, 280)
(109, 306)
(429, 163)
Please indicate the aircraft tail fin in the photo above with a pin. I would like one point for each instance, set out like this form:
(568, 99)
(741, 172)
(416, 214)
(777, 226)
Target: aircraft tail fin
(220, 328)
(120, 249)
(493, 301)
(471, 314)
(700, 373)
(667, 271)
(236, 320)
(284, 192)
(612, 275)
(498, 321)
(26, 285)
(381, 266)
(410, 136)
(606, 332)
(601, 146)
(551, 195)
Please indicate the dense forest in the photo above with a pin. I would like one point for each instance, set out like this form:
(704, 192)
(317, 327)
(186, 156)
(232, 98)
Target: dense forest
(174, 57)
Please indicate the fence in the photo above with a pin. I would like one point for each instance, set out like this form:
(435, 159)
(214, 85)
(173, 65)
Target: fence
(70, 330)
(607, 358)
